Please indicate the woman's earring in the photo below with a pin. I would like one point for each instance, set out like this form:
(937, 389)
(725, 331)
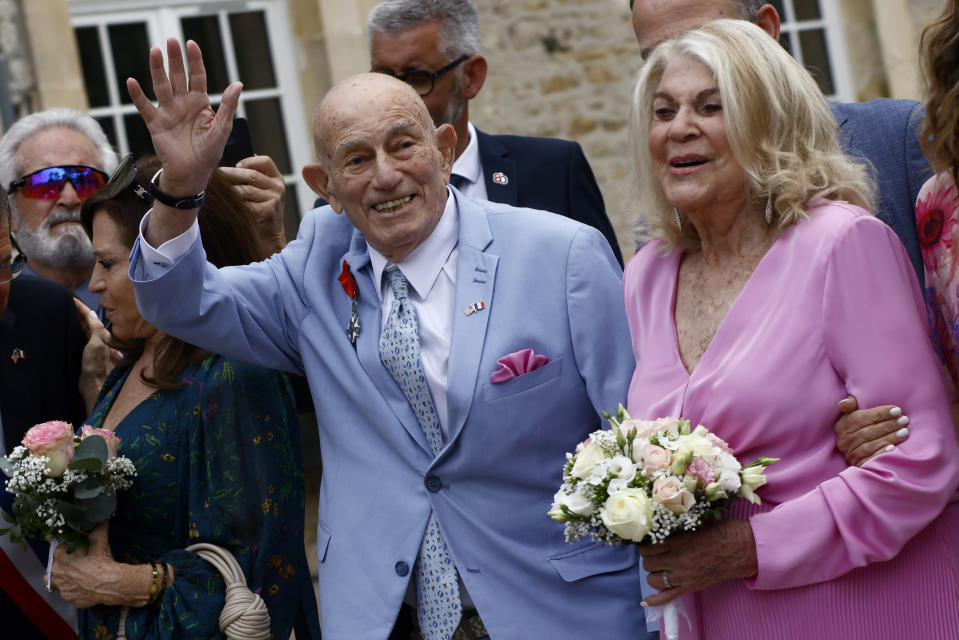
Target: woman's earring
(679, 221)
(769, 209)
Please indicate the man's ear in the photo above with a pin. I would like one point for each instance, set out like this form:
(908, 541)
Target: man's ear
(318, 179)
(768, 19)
(474, 75)
(446, 143)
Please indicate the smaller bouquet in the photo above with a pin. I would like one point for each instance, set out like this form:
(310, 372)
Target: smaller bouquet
(64, 486)
(643, 480)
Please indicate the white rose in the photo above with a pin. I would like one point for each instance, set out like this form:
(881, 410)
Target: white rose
(575, 502)
(589, 457)
(628, 514)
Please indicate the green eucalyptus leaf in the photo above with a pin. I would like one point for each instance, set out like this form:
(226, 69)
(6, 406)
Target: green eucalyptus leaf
(6, 466)
(89, 488)
(86, 464)
(92, 447)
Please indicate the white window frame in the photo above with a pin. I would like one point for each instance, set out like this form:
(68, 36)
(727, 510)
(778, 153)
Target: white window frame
(164, 22)
(831, 24)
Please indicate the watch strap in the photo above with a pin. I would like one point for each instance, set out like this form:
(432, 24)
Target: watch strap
(190, 202)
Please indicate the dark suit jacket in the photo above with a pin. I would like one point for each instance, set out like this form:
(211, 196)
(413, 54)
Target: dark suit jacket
(544, 173)
(885, 133)
(41, 321)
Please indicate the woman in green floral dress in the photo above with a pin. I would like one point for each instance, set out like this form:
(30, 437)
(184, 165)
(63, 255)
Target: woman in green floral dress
(217, 449)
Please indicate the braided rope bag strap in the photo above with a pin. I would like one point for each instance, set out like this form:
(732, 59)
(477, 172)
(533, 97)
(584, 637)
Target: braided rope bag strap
(244, 615)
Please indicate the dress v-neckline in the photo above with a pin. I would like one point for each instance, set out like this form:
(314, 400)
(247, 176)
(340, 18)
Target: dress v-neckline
(677, 257)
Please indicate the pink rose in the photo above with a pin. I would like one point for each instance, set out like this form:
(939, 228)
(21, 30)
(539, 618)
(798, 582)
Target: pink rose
(701, 470)
(654, 459)
(55, 441)
(670, 492)
(111, 439)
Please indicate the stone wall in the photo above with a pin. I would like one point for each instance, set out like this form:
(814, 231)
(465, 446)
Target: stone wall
(564, 69)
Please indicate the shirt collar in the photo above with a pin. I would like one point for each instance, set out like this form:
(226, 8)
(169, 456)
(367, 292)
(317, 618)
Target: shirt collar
(426, 261)
(468, 164)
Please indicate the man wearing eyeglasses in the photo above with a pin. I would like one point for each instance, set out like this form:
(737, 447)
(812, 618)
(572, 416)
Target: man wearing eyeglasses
(50, 162)
(40, 346)
(434, 46)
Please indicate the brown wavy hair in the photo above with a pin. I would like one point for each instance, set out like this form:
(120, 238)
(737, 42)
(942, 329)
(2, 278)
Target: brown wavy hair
(939, 57)
(230, 237)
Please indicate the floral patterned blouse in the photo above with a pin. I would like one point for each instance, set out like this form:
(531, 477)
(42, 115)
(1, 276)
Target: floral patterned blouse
(218, 460)
(937, 220)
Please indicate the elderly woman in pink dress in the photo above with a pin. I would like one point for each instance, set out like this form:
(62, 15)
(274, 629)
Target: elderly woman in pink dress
(768, 291)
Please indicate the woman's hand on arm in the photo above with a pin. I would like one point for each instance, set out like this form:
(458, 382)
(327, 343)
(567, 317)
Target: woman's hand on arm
(89, 578)
(863, 434)
(698, 559)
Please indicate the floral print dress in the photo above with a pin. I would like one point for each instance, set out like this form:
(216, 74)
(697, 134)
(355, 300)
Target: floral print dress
(937, 220)
(218, 460)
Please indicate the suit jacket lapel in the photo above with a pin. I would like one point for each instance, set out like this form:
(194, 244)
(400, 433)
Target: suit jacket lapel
(495, 159)
(845, 133)
(368, 342)
(475, 277)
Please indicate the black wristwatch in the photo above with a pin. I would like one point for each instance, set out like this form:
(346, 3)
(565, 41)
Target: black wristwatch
(190, 202)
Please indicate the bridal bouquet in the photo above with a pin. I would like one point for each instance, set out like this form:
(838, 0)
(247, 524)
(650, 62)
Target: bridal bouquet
(64, 486)
(643, 480)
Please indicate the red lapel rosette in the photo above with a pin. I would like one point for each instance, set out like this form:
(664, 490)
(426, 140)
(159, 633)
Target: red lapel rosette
(348, 281)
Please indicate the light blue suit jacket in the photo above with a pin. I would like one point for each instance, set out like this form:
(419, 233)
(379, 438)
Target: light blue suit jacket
(549, 284)
(885, 133)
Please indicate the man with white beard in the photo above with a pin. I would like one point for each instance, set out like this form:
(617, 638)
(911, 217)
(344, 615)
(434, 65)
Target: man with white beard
(50, 162)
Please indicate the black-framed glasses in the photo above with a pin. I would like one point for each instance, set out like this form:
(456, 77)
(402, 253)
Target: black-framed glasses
(423, 81)
(10, 271)
(125, 176)
(47, 183)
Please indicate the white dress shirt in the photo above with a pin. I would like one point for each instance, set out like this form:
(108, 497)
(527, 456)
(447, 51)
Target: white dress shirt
(470, 167)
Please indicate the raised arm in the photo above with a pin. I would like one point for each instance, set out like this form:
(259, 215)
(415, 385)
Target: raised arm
(187, 134)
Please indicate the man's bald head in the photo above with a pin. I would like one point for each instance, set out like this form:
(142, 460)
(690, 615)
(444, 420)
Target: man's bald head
(364, 91)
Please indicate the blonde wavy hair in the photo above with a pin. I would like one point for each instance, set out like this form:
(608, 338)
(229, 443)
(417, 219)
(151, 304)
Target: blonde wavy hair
(779, 128)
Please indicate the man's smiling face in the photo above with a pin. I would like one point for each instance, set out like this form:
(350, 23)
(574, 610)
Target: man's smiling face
(382, 162)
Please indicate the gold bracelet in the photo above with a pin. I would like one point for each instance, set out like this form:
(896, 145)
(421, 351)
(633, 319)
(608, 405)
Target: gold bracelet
(154, 585)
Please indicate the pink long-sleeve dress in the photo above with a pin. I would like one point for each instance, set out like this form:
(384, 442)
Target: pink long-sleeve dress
(832, 308)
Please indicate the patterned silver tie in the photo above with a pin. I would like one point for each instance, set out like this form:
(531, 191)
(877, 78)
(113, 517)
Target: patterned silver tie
(438, 607)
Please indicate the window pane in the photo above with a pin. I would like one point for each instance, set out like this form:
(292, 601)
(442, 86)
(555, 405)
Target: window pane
(267, 132)
(91, 60)
(252, 46)
(131, 57)
(807, 9)
(291, 213)
(205, 30)
(138, 137)
(106, 123)
(785, 39)
(816, 58)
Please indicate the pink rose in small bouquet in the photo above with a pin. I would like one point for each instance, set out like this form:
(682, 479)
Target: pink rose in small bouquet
(55, 441)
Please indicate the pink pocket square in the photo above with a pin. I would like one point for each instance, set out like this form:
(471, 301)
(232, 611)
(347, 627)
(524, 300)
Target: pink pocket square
(516, 364)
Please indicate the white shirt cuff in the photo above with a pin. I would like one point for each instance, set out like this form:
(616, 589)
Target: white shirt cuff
(170, 251)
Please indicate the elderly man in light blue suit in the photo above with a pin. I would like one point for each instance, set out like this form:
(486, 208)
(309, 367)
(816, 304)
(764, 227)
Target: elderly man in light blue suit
(478, 455)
